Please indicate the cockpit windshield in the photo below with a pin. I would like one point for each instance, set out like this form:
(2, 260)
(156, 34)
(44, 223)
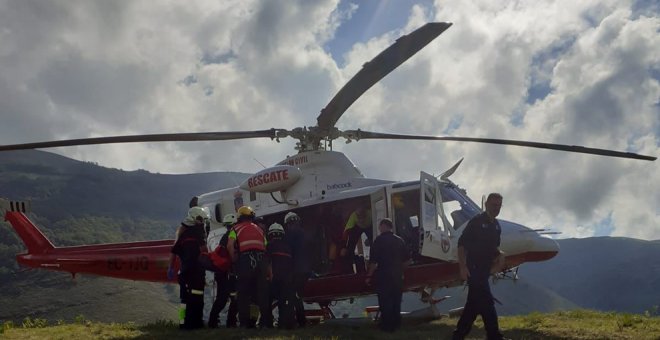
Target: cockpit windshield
(460, 207)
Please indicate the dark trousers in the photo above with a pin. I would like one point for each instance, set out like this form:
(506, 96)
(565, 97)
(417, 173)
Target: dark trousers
(252, 285)
(299, 281)
(354, 235)
(479, 302)
(225, 284)
(194, 317)
(282, 291)
(389, 305)
(232, 313)
(192, 295)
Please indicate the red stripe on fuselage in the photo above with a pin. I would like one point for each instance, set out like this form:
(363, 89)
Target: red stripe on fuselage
(432, 274)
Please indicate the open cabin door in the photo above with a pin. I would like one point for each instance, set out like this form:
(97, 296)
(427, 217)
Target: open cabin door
(378, 212)
(437, 241)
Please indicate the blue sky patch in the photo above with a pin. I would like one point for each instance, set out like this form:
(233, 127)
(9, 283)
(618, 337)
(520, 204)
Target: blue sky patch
(648, 8)
(371, 19)
(211, 58)
(604, 227)
(543, 64)
(453, 125)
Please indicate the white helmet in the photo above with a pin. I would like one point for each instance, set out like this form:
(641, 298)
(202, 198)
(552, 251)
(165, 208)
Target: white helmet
(199, 212)
(275, 228)
(229, 219)
(290, 217)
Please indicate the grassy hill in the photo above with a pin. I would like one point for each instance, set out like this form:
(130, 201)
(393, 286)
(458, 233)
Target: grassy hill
(56, 296)
(581, 324)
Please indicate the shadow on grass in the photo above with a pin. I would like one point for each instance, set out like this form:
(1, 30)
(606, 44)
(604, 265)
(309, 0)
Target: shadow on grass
(513, 333)
(367, 330)
(323, 331)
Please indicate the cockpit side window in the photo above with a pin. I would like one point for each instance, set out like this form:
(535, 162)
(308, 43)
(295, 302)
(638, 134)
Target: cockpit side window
(460, 207)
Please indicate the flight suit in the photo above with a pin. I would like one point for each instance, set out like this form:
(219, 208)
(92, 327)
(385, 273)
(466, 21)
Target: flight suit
(188, 247)
(389, 251)
(480, 239)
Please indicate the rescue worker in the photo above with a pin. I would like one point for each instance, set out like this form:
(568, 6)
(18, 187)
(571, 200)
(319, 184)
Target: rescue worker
(247, 246)
(190, 243)
(359, 222)
(404, 226)
(279, 253)
(331, 227)
(225, 282)
(479, 257)
(389, 257)
(302, 264)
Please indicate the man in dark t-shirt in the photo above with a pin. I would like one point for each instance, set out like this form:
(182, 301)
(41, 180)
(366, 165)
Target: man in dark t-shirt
(478, 257)
(389, 258)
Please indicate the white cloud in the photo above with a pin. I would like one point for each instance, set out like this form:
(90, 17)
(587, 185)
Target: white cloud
(93, 68)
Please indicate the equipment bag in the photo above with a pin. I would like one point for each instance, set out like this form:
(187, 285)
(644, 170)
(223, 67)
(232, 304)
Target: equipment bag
(216, 261)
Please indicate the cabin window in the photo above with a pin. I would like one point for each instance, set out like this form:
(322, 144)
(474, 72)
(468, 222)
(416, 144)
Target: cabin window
(218, 213)
(238, 200)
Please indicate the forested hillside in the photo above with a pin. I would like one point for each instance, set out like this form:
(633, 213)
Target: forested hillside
(77, 202)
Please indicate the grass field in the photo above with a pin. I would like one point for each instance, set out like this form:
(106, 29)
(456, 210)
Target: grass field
(580, 324)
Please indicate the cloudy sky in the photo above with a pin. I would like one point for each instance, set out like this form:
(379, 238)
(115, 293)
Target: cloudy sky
(572, 72)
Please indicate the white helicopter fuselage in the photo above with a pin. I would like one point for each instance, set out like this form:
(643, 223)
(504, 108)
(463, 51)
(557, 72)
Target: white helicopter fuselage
(308, 180)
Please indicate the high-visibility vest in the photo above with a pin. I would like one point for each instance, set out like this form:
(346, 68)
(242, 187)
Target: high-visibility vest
(249, 237)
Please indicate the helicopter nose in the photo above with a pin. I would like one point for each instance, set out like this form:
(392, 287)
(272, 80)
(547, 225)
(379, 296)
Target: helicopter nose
(543, 248)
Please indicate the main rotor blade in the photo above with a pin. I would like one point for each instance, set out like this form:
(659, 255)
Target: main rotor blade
(374, 70)
(164, 137)
(359, 134)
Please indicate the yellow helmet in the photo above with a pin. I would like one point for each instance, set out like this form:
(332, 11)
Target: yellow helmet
(245, 211)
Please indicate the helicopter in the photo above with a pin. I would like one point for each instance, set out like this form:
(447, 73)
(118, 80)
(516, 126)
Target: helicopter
(323, 187)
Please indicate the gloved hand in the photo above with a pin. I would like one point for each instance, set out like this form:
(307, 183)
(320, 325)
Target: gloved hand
(170, 273)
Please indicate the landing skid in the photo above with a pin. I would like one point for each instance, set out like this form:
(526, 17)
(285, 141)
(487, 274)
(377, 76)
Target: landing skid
(507, 274)
(419, 316)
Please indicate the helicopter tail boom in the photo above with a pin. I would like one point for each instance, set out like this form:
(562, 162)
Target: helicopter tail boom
(35, 241)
